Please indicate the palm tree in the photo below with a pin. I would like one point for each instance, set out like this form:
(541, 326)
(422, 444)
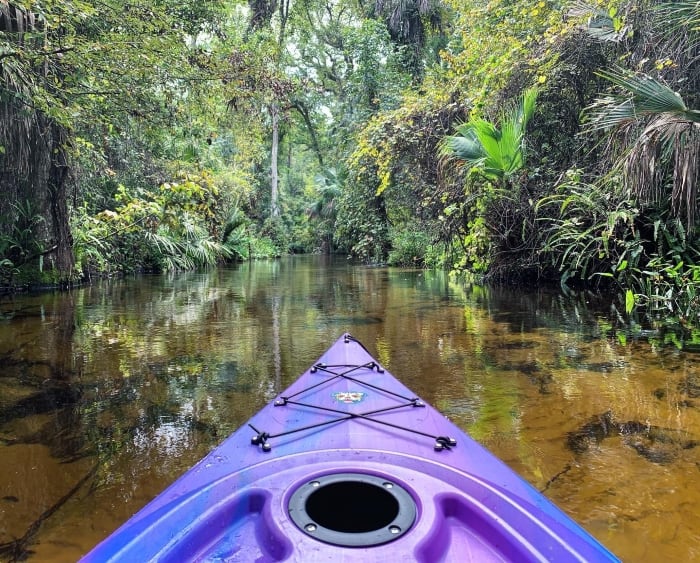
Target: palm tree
(495, 220)
(496, 154)
(669, 139)
(406, 22)
(324, 209)
(34, 143)
(661, 133)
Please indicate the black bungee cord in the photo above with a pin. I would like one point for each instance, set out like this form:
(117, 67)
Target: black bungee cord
(262, 438)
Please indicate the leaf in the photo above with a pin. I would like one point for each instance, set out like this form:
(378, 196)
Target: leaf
(495, 153)
(629, 301)
(648, 97)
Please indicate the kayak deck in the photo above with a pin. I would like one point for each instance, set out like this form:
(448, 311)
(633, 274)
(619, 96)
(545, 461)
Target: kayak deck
(347, 464)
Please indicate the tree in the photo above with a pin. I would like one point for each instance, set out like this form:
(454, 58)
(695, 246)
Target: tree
(255, 83)
(274, 89)
(406, 22)
(660, 133)
(80, 77)
(33, 148)
(669, 137)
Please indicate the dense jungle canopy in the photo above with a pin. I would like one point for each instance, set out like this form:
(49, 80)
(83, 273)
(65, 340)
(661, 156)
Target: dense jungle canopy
(538, 141)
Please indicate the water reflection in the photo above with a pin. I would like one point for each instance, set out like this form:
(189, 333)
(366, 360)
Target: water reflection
(108, 393)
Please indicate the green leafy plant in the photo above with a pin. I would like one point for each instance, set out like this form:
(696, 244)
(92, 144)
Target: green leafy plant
(323, 210)
(495, 157)
(594, 235)
(263, 247)
(236, 238)
(668, 140)
(666, 286)
(495, 153)
(411, 248)
(173, 228)
(605, 238)
(22, 243)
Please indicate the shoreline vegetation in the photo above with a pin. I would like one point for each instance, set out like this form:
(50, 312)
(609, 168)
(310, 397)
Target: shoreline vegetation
(508, 142)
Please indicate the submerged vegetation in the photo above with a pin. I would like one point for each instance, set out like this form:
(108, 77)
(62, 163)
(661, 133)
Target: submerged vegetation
(531, 142)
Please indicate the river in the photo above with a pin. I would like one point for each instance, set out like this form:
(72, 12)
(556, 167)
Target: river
(110, 392)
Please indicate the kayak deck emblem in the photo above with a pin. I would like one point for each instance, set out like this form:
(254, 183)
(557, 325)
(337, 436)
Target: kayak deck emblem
(349, 397)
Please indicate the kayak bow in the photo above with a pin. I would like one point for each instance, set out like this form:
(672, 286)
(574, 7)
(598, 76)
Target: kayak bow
(347, 464)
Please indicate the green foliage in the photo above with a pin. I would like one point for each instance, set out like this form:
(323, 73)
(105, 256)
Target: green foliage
(665, 150)
(83, 62)
(495, 159)
(601, 238)
(272, 238)
(668, 292)
(21, 247)
(494, 39)
(646, 97)
(184, 246)
(322, 212)
(604, 23)
(585, 228)
(361, 226)
(409, 23)
(476, 245)
(236, 237)
(22, 244)
(263, 247)
(174, 228)
(412, 248)
(91, 253)
(169, 113)
(377, 78)
(495, 153)
(394, 165)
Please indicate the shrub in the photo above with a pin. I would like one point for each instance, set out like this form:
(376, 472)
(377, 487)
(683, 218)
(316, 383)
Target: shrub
(408, 248)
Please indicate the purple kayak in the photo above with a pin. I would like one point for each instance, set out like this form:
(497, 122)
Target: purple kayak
(347, 464)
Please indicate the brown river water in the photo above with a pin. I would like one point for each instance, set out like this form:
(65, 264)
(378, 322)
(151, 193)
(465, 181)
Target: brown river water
(108, 393)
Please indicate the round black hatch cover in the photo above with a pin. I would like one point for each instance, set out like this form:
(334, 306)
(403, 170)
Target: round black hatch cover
(352, 509)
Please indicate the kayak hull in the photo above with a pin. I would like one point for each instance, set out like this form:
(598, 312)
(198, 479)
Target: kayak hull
(348, 465)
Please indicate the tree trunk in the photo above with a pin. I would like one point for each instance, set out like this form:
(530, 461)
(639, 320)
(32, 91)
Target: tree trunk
(274, 181)
(34, 207)
(34, 224)
(61, 259)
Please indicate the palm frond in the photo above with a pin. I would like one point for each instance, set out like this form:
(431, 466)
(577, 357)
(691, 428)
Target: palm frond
(609, 113)
(186, 246)
(681, 14)
(465, 146)
(526, 109)
(649, 96)
(511, 147)
(162, 241)
(490, 138)
(494, 152)
(601, 24)
(667, 143)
